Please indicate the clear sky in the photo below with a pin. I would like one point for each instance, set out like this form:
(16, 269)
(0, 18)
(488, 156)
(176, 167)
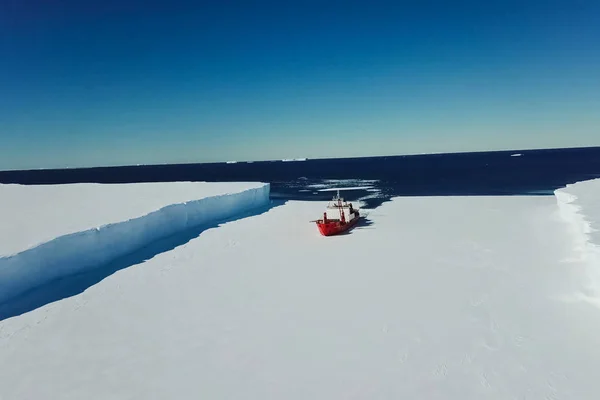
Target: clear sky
(113, 82)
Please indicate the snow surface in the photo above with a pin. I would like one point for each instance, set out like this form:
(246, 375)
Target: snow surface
(431, 298)
(67, 229)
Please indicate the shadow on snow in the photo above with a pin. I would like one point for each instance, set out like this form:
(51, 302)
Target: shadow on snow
(363, 223)
(71, 285)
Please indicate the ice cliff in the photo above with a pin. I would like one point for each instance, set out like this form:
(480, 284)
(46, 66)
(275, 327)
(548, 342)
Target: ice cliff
(579, 206)
(80, 251)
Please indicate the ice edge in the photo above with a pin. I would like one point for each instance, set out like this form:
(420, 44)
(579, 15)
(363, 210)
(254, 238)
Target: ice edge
(575, 216)
(587, 252)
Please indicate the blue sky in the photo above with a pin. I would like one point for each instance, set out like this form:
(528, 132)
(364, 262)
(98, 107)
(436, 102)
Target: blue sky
(128, 82)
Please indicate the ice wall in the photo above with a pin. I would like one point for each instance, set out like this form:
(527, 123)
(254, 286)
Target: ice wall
(80, 251)
(579, 206)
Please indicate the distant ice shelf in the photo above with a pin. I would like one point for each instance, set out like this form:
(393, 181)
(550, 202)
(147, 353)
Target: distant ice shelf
(293, 159)
(52, 231)
(333, 189)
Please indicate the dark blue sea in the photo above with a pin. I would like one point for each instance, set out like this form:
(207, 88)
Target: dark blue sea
(374, 179)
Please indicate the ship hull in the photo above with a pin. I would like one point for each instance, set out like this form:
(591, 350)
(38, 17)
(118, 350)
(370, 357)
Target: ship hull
(331, 228)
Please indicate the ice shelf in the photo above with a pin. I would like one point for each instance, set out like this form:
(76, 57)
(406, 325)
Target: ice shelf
(52, 231)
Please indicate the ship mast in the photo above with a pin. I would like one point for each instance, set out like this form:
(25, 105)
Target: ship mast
(341, 208)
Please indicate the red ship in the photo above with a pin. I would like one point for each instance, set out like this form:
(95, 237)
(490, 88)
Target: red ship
(339, 217)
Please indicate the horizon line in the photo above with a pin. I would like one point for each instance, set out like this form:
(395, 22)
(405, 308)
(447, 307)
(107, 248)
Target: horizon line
(303, 159)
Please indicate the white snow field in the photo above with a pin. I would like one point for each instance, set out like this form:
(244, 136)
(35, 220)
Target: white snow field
(431, 298)
(52, 231)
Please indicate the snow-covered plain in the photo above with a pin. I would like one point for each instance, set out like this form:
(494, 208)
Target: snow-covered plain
(430, 298)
